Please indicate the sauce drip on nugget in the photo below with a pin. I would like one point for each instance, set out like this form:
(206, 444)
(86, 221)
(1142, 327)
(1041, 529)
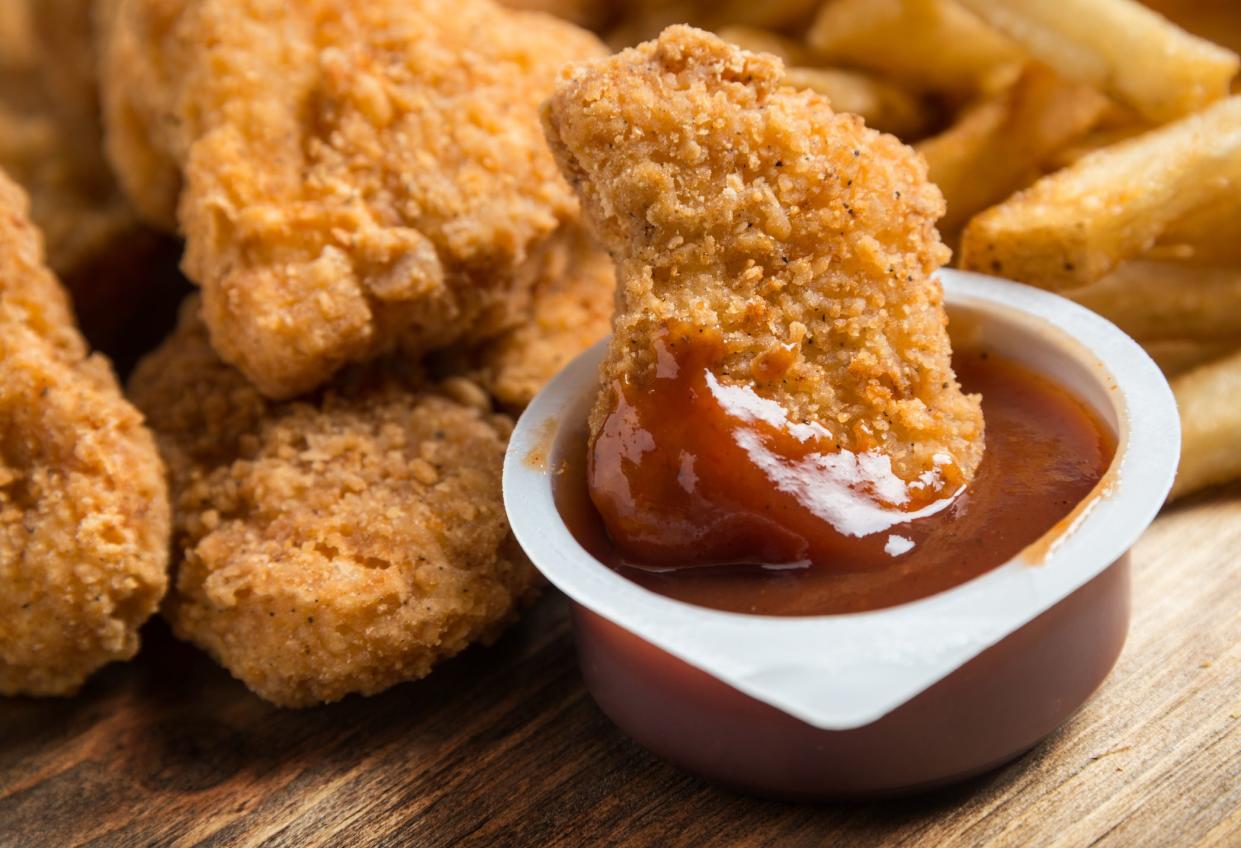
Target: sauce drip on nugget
(779, 387)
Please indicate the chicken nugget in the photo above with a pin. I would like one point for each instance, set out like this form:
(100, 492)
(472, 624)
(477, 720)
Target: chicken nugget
(51, 143)
(351, 178)
(801, 243)
(84, 519)
(571, 310)
(339, 543)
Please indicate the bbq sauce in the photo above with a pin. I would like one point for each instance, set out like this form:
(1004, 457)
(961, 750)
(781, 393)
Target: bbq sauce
(711, 495)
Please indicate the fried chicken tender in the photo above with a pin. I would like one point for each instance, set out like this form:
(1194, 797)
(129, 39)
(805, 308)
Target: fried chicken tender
(351, 178)
(51, 143)
(340, 543)
(739, 206)
(84, 518)
(571, 310)
(51, 140)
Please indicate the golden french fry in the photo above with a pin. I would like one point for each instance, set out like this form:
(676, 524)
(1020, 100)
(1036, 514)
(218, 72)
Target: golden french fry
(929, 45)
(1209, 234)
(642, 22)
(15, 29)
(790, 51)
(1074, 226)
(1001, 144)
(1210, 425)
(882, 105)
(769, 14)
(1098, 138)
(1151, 299)
(1129, 51)
(1176, 356)
(1214, 20)
(587, 13)
(645, 19)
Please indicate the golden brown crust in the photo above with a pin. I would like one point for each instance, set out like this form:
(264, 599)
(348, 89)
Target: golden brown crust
(571, 309)
(340, 543)
(51, 141)
(83, 505)
(356, 177)
(734, 204)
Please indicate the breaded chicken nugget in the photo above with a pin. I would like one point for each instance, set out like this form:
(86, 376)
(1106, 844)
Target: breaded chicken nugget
(51, 143)
(571, 310)
(340, 543)
(350, 177)
(84, 519)
(742, 208)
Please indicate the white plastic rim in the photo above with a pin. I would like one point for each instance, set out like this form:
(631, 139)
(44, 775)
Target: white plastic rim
(841, 672)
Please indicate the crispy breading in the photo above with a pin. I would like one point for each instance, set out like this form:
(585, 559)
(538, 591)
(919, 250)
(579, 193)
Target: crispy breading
(350, 178)
(571, 310)
(807, 241)
(84, 518)
(340, 543)
(51, 143)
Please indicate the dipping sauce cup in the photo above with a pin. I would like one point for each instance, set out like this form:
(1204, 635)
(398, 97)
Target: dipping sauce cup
(892, 700)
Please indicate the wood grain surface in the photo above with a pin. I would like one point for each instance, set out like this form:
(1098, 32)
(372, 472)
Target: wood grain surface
(502, 746)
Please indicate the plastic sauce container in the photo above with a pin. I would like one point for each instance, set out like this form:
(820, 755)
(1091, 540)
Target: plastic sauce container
(897, 699)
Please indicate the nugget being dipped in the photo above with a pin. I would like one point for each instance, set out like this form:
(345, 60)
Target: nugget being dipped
(350, 178)
(83, 505)
(780, 361)
(340, 543)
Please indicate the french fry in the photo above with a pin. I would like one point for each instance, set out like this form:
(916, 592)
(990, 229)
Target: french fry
(587, 13)
(882, 105)
(1209, 234)
(1001, 144)
(1152, 300)
(1176, 356)
(15, 29)
(643, 21)
(1127, 50)
(1214, 20)
(1098, 138)
(790, 51)
(1074, 226)
(928, 45)
(769, 14)
(1210, 425)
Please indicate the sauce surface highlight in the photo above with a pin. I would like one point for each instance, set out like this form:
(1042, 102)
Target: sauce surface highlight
(758, 545)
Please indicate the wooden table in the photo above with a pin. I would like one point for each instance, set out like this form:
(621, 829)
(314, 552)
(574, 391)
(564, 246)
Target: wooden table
(503, 746)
